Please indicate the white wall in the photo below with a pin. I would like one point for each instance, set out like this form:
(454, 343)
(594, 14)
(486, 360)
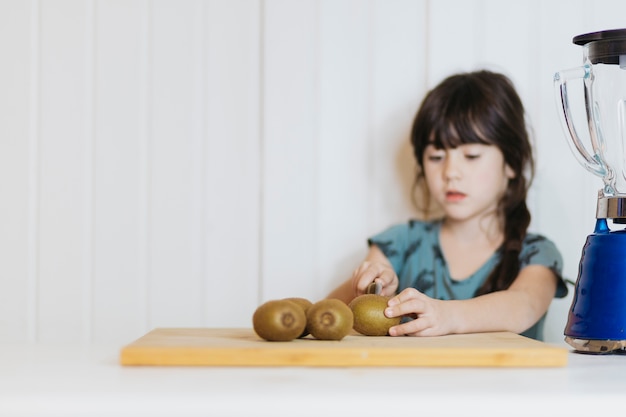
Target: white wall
(175, 163)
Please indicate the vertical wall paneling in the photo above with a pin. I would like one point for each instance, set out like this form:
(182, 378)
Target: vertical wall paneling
(452, 38)
(62, 211)
(87, 256)
(512, 55)
(342, 139)
(119, 76)
(290, 138)
(32, 231)
(605, 14)
(232, 154)
(371, 83)
(198, 157)
(143, 163)
(174, 163)
(508, 54)
(173, 285)
(559, 178)
(535, 99)
(563, 184)
(399, 47)
(16, 37)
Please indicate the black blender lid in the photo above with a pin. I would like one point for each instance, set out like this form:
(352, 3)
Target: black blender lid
(604, 47)
(613, 34)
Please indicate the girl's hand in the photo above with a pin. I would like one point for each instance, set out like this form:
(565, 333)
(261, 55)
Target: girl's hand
(375, 271)
(376, 267)
(430, 317)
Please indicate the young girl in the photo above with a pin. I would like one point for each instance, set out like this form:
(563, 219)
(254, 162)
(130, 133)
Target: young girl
(476, 269)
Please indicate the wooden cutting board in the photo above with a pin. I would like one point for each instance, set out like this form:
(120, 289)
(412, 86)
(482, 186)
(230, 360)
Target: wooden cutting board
(242, 347)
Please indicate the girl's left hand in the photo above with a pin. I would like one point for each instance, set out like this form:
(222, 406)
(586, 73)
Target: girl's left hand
(430, 316)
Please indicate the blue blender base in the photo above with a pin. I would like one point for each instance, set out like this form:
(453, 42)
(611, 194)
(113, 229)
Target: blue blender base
(597, 318)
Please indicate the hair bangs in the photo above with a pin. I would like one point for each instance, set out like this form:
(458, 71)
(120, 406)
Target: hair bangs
(457, 125)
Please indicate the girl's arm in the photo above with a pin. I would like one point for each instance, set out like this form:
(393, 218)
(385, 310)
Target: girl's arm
(515, 309)
(377, 267)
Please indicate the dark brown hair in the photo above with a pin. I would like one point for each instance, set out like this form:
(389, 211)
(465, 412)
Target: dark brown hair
(483, 107)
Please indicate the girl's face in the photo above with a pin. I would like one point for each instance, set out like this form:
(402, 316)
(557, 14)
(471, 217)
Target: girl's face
(466, 181)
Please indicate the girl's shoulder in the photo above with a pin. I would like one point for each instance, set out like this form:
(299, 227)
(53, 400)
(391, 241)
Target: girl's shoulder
(536, 241)
(424, 226)
(409, 233)
(413, 227)
(539, 250)
(412, 239)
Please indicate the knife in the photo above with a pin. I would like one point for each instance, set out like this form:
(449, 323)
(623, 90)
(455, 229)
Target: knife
(374, 288)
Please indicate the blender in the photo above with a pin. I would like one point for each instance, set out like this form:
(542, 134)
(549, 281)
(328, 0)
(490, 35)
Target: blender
(597, 318)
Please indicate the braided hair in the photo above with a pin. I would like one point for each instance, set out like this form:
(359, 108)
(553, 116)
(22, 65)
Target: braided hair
(482, 107)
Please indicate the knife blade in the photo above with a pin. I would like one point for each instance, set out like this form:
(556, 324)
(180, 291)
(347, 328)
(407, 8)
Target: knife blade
(374, 288)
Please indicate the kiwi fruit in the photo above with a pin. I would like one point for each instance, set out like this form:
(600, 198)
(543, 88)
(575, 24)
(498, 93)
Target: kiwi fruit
(329, 319)
(279, 320)
(369, 316)
(305, 304)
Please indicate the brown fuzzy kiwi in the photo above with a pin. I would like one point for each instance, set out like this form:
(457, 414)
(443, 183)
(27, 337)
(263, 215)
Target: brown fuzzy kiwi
(305, 304)
(369, 316)
(329, 319)
(279, 320)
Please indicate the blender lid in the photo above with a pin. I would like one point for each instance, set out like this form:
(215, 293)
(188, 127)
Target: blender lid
(604, 47)
(613, 34)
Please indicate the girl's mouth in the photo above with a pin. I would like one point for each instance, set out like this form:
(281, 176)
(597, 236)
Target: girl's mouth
(454, 196)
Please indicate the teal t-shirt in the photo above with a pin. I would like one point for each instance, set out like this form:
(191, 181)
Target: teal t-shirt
(415, 253)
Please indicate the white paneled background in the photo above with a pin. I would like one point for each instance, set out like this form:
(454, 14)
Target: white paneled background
(177, 162)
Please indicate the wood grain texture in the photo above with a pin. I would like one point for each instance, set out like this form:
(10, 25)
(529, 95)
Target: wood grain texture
(242, 347)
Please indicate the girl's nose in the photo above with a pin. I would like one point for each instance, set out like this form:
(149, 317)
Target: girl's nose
(452, 169)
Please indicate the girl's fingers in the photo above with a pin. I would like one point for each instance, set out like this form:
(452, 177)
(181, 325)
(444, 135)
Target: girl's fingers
(408, 308)
(425, 312)
(404, 296)
(410, 328)
(365, 275)
(369, 272)
(362, 278)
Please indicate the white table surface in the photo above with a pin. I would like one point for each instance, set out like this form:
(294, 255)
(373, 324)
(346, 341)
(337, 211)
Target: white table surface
(39, 380)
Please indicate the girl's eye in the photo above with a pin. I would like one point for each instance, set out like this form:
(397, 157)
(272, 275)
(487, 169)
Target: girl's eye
(472, 156)
(435, 158)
